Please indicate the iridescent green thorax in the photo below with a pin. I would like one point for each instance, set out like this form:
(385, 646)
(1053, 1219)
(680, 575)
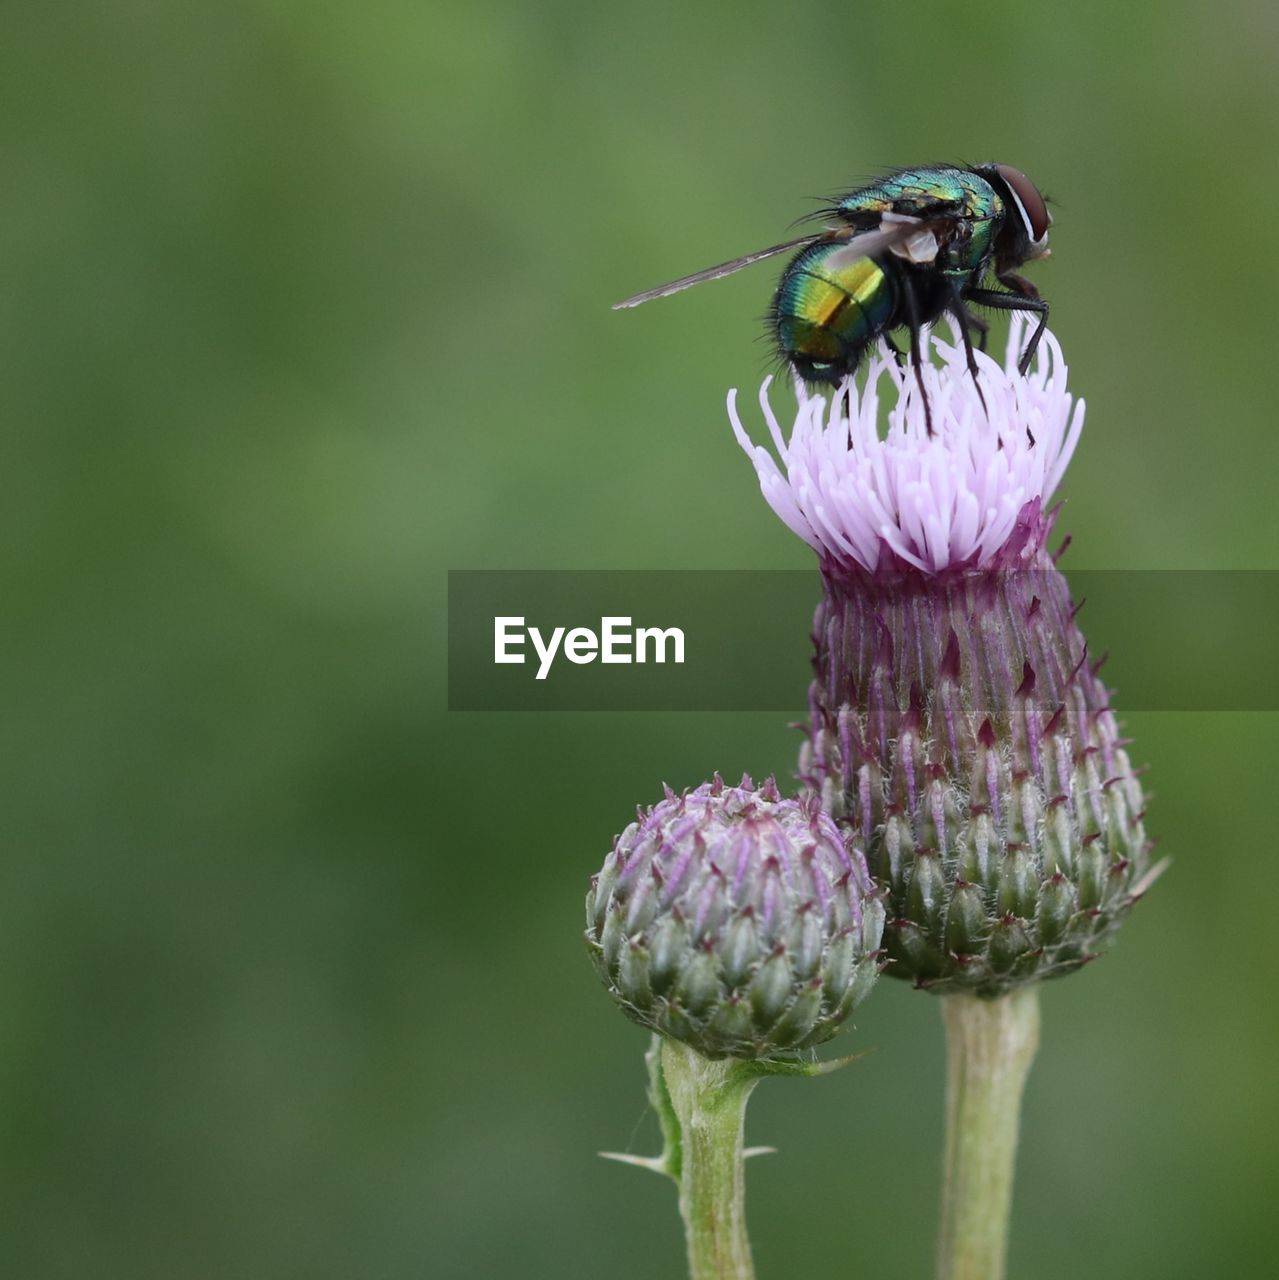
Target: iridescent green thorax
(961, 194)
(827, 314)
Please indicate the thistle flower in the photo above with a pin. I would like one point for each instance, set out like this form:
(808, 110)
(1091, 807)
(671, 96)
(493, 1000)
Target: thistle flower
(958, 729)
(735, 921)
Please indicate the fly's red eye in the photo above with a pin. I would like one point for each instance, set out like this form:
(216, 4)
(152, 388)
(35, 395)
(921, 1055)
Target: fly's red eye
(1031, 204)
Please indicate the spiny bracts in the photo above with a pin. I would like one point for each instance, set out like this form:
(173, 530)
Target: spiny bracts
(964, 741)
(736, 921)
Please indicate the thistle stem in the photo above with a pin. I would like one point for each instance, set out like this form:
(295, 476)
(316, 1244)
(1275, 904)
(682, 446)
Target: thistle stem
(990, 1045)
(709, 1099)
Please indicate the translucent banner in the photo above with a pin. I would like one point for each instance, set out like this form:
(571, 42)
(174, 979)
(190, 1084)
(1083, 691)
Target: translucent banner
(739, 640)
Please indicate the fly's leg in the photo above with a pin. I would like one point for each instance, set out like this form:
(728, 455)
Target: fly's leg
(980, 327)
(1030, 295)
(916, 359)
(965, 322)
(1023, 296)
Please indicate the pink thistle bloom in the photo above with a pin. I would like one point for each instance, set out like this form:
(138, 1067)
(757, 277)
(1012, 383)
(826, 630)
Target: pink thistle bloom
(958, 729)
(907, 500)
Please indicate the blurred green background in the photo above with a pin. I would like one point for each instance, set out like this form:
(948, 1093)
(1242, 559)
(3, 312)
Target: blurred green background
(304, 304)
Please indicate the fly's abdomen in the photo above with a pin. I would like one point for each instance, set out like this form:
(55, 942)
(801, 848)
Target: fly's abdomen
(825, 314)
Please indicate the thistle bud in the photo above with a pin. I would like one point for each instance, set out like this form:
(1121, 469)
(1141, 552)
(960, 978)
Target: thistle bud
(735, 921)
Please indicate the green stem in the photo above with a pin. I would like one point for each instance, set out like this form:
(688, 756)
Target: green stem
(990, 1045)
(709, 1099)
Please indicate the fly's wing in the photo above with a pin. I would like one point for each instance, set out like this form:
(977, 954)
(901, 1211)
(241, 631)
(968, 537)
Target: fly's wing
(912, 238)
(726, 268)
(894, 230)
